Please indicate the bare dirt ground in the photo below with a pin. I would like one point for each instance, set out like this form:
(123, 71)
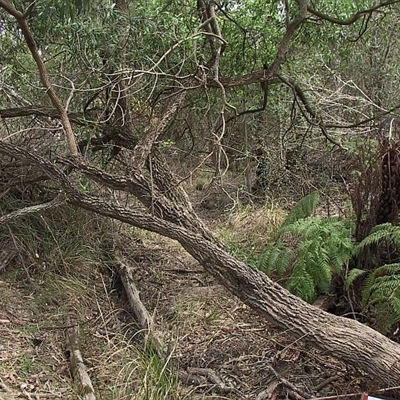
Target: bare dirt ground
(32, 364)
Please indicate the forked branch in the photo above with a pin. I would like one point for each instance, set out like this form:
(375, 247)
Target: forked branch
(355, 17)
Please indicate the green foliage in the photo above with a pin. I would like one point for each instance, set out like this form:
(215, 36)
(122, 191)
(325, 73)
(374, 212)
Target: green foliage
(60, 9)
(308, 251)
(302, 209)
(387, 233)
(352, 276)
(276, 257)
(380, 294)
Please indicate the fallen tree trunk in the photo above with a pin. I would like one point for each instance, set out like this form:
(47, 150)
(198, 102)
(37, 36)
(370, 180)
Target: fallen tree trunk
(145, 320)
(342, 338)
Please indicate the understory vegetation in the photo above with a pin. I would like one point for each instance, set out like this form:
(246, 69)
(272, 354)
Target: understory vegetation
(65, 270)
(314, 255)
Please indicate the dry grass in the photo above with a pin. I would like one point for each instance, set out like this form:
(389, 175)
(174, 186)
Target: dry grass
(30, 359)
(253, 225)
(64, 274)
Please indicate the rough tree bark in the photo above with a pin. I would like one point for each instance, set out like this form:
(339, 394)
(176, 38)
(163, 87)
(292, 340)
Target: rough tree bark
(342, 338)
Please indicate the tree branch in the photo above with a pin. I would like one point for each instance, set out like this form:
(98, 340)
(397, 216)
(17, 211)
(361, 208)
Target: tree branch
(284, 44)
(346, 339)
(301, 100)
(44, 76)
(266, 74)
(32, 209)
(354, 18)
(39, 111)
(154, 129)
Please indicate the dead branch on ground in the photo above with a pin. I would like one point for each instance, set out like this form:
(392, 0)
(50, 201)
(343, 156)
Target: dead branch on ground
(146, 321)
(78, 368)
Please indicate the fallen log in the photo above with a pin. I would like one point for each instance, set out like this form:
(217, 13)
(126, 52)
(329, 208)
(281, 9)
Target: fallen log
(344, 339)
(77, 366)
(145, 320)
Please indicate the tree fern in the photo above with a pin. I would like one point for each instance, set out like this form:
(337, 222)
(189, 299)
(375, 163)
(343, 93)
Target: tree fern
(276, 257)
(381, 233)
(352, 275)
(381, 295)
(394, 316)
(301, 283)
(307, 251)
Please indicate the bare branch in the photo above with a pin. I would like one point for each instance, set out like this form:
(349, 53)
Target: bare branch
(312, 117)
(39, 111)
(146, 321)
(32, 209)
(284, 44)
(364, 121)
(154, 129)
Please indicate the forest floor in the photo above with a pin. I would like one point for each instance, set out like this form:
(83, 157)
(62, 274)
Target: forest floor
(218, 348)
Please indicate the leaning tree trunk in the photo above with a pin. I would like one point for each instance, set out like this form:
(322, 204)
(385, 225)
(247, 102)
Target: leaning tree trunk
(344, 339)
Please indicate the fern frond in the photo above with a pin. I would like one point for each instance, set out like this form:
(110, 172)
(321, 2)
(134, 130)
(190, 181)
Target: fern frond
(303, 208)
(385, 286)
(384, 232)
(352, 276)
(302, 284)
(388, 313)
(285, 262)
(304, 227)
(395, 305)
(387, 269)
(366, 290)
(321, 272)
(275, 257)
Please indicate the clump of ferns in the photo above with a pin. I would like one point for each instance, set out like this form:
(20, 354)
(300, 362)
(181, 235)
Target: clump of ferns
(380, 295)
(307, 251)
